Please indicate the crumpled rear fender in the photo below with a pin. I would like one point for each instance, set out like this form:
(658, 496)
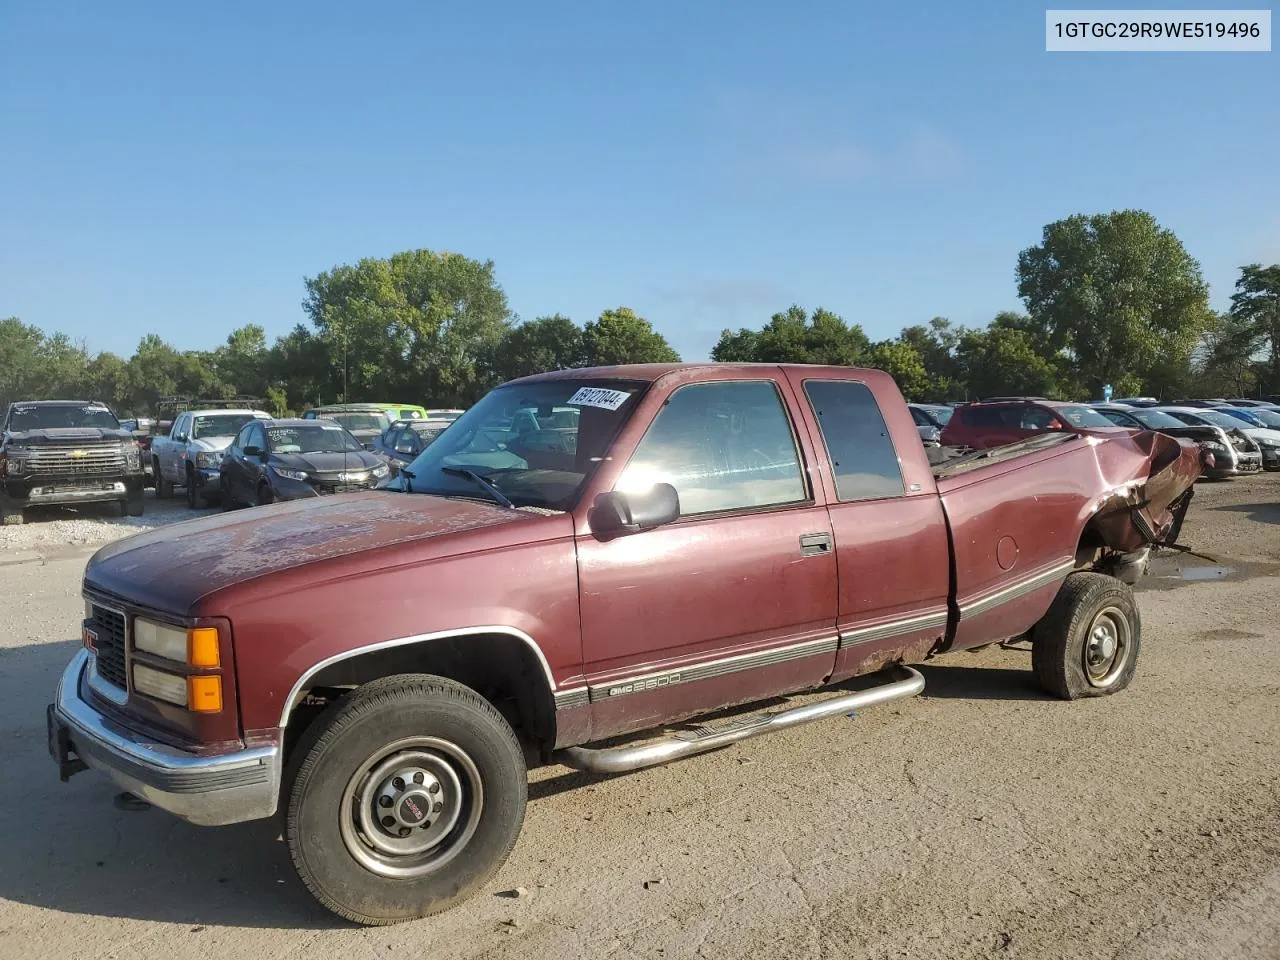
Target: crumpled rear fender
(1148, 480)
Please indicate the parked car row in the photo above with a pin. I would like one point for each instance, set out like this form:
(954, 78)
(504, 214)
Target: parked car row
(1233, 440)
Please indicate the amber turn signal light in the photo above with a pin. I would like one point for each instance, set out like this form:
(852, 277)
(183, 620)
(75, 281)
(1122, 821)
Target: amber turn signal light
(202, 647)
(204, 694)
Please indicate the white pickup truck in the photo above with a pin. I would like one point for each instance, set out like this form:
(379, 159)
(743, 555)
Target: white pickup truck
(192, 452)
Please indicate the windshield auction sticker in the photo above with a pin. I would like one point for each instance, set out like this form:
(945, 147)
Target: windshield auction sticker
(598, 397)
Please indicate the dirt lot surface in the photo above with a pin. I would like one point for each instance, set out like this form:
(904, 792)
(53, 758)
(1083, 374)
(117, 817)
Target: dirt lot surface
(978, 820)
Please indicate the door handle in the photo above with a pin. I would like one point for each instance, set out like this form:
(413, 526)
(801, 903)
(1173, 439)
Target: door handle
(813, 544)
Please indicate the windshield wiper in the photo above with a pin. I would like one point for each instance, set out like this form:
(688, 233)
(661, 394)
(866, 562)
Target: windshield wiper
(481, 482)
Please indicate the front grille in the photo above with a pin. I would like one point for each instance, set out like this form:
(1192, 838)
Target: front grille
(75, 459)
(109, 626)
(323, 487)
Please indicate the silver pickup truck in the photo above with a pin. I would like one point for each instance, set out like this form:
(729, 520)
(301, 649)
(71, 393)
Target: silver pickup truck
(190, 455)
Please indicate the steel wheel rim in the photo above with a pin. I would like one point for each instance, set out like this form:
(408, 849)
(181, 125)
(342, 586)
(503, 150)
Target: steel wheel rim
(1107, 646)
(411, 807)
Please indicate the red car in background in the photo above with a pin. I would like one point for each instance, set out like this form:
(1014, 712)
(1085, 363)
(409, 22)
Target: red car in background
(994, 423)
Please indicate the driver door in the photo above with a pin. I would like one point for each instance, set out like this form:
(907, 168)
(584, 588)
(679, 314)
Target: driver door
(734, 601)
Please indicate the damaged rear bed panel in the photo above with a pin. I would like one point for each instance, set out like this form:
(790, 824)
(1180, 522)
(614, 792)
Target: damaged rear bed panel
(1016, 524)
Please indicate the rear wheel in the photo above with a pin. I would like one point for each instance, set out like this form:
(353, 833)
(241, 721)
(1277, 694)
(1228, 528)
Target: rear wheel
(265, 496)
(1087, 644)
(164, 489)
(406, 801)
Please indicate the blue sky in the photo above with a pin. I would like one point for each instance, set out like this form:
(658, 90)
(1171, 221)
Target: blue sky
(180, 168)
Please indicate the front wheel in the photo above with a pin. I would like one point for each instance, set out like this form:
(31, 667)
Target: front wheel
(195, 497)
(406, 801)
(1087, 644)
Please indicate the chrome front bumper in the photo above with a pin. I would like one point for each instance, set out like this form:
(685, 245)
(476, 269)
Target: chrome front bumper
(209, 791)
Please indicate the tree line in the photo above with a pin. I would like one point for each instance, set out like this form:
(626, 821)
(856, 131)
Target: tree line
(1109, 299)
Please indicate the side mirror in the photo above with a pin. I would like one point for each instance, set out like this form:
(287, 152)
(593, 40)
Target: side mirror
(252, 451)
(182, 438)
(615, 513)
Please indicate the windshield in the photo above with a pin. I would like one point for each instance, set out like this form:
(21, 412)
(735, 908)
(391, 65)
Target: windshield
(60, 417)
(358, 421)
(322, 438)
(1248, 416)
(1267, 418)
(536, 442)
(1083, 417)
(219, 425)
(1154, 419)
(1220, 419)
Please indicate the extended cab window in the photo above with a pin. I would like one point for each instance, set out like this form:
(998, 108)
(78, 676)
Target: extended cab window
(723, 446)
(863, 458)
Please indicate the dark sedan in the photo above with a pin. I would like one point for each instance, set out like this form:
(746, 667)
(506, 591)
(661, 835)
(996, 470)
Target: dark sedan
(291, 459)
(405, 439)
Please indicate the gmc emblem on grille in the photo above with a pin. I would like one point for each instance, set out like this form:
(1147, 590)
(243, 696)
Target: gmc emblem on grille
(90, 638)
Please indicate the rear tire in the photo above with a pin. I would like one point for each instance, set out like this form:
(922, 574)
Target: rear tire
(405, 801)
(164, 489)
(1087, 644)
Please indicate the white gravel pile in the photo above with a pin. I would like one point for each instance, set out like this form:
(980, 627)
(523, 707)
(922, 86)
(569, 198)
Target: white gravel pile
(51, 527)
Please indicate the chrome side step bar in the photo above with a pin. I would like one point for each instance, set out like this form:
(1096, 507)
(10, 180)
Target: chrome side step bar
(702, 738)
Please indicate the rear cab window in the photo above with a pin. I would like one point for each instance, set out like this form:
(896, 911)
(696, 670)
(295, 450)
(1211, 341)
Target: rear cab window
(863, 458)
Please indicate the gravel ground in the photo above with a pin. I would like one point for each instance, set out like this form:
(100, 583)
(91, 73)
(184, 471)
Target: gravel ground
(978, 820)
(54, 528)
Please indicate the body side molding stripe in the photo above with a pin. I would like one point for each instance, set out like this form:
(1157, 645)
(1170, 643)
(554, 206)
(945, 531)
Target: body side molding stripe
(1021, 588)
(710, 669)
(894, 628)
(520, 635)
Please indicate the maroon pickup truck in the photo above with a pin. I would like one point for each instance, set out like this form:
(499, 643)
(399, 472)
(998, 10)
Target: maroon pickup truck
(585, 560)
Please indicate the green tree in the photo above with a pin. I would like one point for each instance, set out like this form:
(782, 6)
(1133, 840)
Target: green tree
(417, 325)
(20, 359)
(1003, 361)
(740, 347)
(1116, 292)
(620, 336)
(1255, 314)
(792, 336)
(242, 361)
(902, 361)
(936, 346)
(547, 343)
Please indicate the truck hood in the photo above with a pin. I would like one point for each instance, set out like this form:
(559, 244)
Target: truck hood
(63, 435)
(172, 567)
(209, 444)
(1263, 433)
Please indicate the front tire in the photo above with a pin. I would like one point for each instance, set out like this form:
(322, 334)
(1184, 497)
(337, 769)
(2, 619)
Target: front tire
(406, 801)
(1087, 644)
(195, 499)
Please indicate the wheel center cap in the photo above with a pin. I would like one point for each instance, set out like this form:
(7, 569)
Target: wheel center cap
(1107, 647)
(413, 808)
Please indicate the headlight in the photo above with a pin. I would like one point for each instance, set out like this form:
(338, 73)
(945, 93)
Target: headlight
(197, 646)
(163, 686)
(1215, 445)
(160, 639)
(130, 451)
(1269, 443)
(381, 471)
(208, 459)
(290, 474)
